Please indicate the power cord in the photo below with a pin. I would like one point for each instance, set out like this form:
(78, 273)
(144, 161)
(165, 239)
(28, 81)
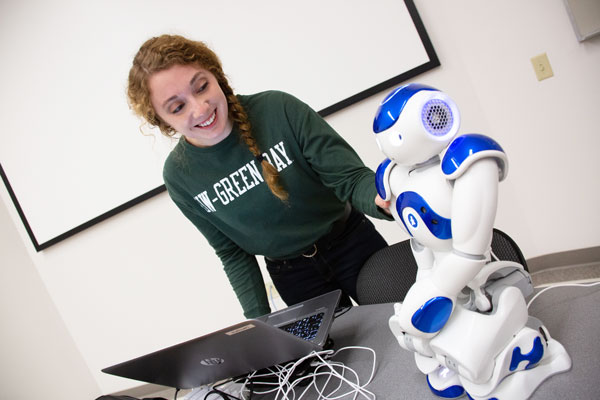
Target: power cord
(224, 395)
(561, 285)
(333, 372)
(341, 311)
(218, 391)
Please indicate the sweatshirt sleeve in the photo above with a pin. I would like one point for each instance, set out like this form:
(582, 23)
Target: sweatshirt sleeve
(336, 163)
(241, 268)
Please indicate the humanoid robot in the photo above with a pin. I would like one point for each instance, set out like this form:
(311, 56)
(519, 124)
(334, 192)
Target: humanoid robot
(465, 317)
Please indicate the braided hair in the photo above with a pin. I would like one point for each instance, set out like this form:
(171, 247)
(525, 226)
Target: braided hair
(161, 53)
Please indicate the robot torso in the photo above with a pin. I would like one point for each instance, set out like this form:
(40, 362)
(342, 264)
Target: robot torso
(422, 204)
(422, 195)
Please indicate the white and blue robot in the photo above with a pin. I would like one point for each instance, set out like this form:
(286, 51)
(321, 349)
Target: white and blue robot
(465, 317)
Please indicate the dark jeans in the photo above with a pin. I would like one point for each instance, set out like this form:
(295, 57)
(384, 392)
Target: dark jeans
(334, 266)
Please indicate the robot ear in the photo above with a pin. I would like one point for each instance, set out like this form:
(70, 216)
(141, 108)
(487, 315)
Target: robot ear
(438, 118)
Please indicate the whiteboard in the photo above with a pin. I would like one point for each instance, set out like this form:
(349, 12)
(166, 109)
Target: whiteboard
(72, 153)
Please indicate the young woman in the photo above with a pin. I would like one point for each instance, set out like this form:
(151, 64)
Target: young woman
(259, 174)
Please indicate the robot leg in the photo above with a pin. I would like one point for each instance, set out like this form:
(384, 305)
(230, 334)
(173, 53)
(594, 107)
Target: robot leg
(505, 354)
(530, 357)
(441, 380)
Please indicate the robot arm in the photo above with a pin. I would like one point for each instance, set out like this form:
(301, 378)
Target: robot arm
(431, 300)
(473, 213)
(382, 179)
(475, 164)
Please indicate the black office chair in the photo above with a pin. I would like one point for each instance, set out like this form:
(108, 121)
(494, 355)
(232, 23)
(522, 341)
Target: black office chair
(389, 273)
(504, 248)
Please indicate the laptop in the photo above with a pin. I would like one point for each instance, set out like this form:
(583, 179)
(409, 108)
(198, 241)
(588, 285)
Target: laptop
(239, 349)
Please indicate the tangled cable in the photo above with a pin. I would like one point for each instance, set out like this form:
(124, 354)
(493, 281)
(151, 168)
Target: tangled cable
(344, 379)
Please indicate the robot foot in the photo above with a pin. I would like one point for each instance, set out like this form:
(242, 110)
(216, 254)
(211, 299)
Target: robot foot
(522, 384)
(445, 383)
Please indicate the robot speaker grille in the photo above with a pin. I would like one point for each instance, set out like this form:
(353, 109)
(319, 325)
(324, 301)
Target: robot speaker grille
(437, 117)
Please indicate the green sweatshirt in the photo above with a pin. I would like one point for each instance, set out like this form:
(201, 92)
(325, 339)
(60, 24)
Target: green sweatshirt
(220, 189)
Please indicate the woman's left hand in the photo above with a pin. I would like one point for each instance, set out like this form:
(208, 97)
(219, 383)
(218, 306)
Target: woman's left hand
(383, 204)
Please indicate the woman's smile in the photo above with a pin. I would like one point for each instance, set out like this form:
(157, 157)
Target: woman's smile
(209, 121)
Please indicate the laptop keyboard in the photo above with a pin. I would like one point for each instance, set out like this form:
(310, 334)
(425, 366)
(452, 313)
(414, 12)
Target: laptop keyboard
(305, 328)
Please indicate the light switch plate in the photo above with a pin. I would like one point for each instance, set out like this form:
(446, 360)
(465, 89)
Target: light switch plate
(541, 66)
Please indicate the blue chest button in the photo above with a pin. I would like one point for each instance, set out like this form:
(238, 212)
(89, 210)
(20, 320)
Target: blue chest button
(412, 220)
(439, 226)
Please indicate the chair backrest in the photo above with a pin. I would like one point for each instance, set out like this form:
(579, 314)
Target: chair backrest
(389, 273)
(504, 248)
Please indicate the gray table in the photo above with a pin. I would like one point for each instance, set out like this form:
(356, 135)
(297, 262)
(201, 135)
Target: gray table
(572, 315)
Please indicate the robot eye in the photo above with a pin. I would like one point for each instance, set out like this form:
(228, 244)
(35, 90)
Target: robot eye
(437, 117)
(395, 137)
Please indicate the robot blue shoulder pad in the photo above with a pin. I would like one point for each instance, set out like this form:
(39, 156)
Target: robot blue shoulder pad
(466, 149)
(391, 107)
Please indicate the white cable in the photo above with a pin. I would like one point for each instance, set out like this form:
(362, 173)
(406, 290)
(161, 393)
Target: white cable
(272, 297)
(332, 372)
(358, 389)
(284, 378)
(494, 257)
(314, 377)
(284, 389)
(561, 285)
(280, 370)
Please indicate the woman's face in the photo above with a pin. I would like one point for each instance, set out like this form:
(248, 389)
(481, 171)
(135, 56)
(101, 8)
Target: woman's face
(190, 100)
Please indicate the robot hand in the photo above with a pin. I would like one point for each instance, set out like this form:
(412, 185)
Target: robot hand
(431, 300)
(408, 342)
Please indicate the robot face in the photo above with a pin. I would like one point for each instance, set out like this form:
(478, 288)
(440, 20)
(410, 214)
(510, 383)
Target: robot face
(414, 123)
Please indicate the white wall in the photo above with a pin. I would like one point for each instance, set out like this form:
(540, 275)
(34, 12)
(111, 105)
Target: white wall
(38, 357)
(146, 279)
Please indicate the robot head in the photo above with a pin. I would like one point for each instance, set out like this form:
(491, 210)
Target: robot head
(414, 123)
